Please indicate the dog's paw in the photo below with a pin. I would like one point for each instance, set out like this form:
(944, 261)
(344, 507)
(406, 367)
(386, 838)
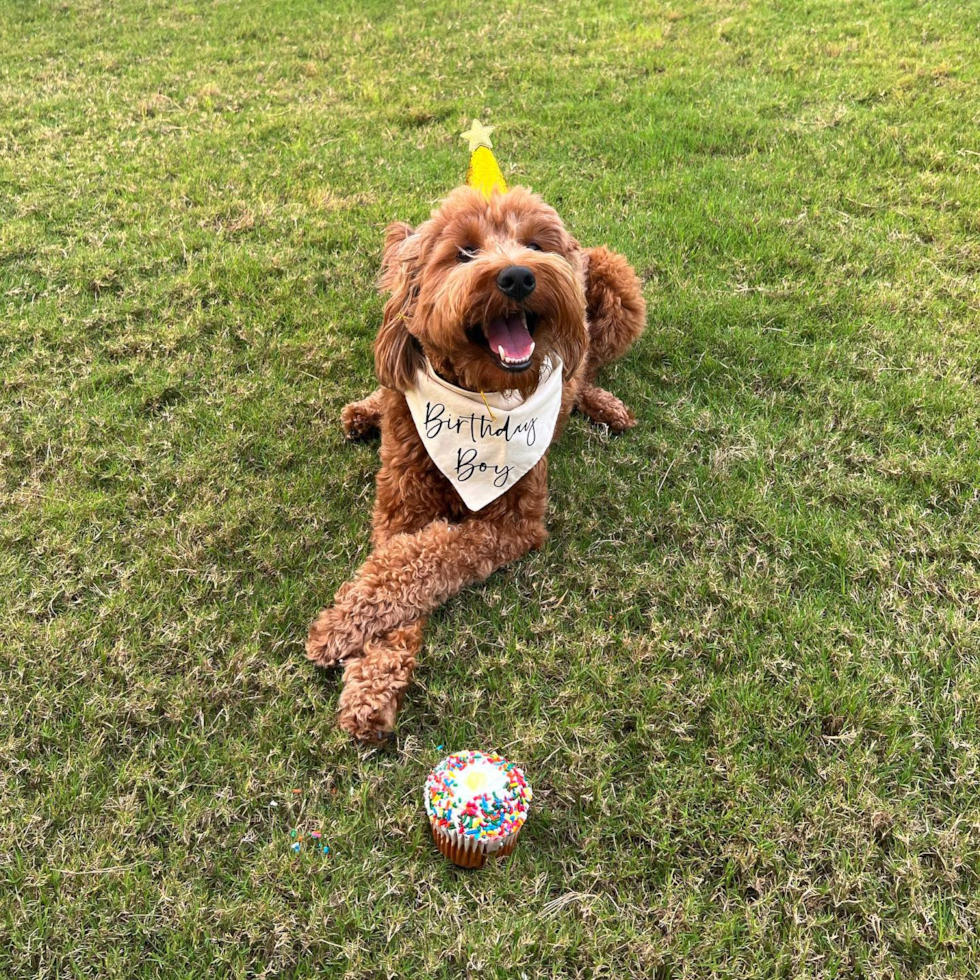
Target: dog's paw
(332, 637)
(604, 408)
(357, 423)
(621, 419)
(370, 721)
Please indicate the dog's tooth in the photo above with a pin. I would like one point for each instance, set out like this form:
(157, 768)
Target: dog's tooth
(532, 349)
(500, 351)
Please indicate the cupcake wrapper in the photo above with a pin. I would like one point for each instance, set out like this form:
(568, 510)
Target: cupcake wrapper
(469, 852)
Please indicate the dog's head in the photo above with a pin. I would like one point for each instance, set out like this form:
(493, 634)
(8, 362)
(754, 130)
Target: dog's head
(486, 289)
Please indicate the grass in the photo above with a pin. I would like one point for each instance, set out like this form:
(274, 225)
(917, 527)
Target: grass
(742, 676)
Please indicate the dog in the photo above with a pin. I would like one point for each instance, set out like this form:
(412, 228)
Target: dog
(488, 294)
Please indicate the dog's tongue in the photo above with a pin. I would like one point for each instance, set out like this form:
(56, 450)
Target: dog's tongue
(510, 332)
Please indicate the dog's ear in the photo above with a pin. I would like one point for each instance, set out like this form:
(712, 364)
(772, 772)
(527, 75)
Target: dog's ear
(397, 357)
(573, 347)
(395, 235)
(615, 307)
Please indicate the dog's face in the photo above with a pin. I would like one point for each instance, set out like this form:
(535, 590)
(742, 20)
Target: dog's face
(487, 290)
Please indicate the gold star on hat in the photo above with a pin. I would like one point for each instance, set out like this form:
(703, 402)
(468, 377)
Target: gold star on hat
(478, 135)
(483, 174)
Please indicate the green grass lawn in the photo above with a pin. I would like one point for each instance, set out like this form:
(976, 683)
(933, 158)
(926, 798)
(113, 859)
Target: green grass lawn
(743, 674)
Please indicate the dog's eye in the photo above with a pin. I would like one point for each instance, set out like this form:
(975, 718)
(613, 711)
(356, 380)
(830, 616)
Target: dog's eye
(466, 254)
(533, 246)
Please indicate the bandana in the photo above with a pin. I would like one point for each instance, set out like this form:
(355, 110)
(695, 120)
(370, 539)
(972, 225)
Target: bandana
(484, 447)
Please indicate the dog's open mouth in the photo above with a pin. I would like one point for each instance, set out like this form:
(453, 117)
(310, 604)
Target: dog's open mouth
(507, 338)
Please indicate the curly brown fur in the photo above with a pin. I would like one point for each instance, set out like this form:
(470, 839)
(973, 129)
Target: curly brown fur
(586, 308)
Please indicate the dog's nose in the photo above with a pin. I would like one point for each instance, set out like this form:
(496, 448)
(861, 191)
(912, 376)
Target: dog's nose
(516, 281)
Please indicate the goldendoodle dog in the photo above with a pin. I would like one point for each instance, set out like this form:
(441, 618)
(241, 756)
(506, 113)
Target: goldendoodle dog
(490, 300)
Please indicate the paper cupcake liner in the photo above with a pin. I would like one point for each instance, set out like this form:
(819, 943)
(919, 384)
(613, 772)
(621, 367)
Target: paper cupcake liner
(469, 852)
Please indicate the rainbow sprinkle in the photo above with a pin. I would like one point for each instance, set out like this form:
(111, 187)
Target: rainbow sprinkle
(453, 804)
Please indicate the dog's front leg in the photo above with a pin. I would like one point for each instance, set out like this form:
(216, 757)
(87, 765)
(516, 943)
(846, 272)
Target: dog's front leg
(375, 683)
(412, 574)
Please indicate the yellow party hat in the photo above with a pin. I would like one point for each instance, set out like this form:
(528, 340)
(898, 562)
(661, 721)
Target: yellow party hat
(484, 174)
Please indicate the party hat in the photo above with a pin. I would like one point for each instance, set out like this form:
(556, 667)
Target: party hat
(484, 174)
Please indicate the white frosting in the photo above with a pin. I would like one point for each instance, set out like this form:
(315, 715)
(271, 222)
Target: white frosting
(479, 778)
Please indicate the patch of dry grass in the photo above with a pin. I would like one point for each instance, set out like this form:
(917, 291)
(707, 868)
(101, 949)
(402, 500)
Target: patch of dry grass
(742, 675)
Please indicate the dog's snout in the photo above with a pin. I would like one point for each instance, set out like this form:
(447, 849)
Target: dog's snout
(516, 281)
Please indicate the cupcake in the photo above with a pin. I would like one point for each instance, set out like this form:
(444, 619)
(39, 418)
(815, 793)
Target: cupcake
(477, 805)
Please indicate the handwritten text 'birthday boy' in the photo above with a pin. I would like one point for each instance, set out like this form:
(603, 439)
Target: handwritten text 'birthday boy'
(479, 427)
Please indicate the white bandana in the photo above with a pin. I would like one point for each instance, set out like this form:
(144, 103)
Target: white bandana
(484, 452)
